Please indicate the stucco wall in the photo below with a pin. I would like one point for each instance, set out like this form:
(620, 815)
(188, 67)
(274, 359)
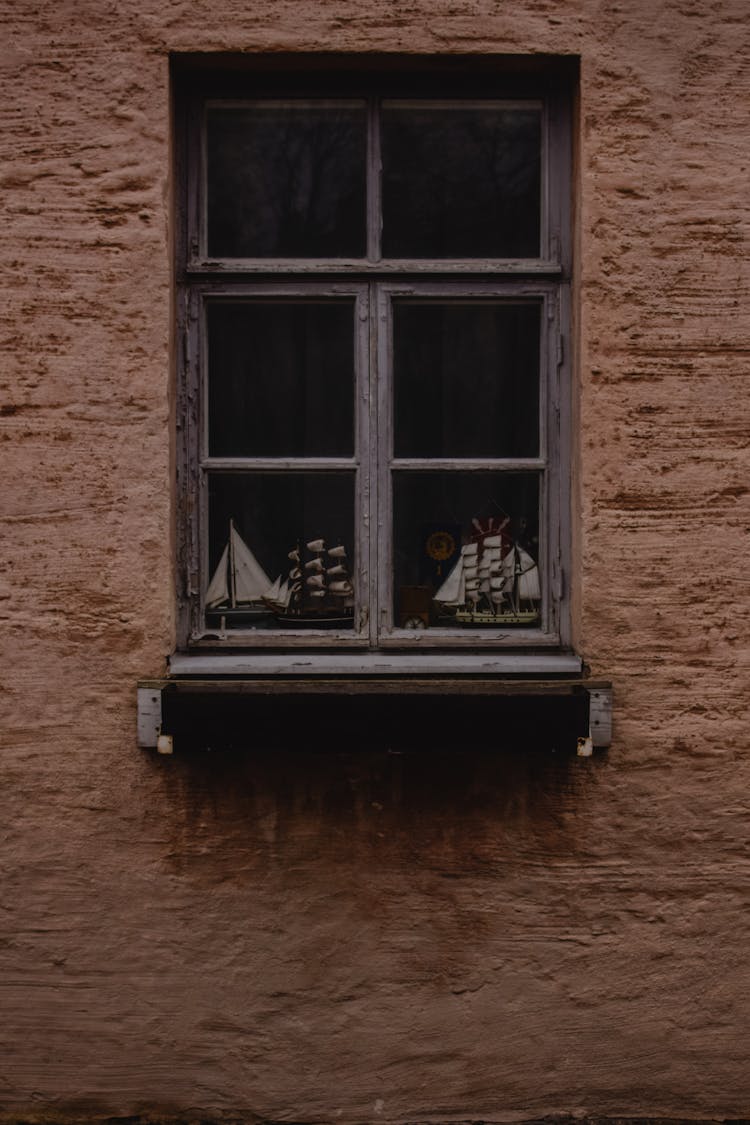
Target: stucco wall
(378, 937)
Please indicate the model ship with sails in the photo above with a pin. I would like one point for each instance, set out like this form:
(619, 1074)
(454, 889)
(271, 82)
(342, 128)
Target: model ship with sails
(317, 592)
(494, 582)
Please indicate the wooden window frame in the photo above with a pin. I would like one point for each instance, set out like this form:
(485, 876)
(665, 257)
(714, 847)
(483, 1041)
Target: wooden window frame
(372, 283)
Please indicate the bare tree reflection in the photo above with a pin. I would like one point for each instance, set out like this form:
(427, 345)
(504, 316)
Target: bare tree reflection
(286, 181)
(461, 182)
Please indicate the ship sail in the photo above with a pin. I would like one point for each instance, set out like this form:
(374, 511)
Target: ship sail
(239, 578)
(453, 590)
(284, 594)
(250, 579)
(274, 592)
(278, 595)
(529, 588)
(218, 589)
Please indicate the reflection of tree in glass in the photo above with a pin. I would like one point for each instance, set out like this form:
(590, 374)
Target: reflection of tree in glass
(286, 181)
(461, 182)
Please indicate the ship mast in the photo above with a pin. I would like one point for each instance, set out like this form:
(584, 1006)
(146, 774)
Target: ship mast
(232, 574)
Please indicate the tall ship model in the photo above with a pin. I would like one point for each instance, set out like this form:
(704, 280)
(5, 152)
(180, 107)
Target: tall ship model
(318, 592)
(494, 583)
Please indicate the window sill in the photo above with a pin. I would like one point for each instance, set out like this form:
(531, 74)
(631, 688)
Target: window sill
(354, 665)
(263, 675)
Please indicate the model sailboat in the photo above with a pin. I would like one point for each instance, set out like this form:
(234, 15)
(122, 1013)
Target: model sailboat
(491, 584)
(239, 583)
(318, 592)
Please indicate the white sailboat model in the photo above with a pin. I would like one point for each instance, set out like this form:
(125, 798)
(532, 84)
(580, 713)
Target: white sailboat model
(239, 583)
(491, 584)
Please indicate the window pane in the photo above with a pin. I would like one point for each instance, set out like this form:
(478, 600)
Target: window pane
(461, 181)
(255, 520)
(466, 379)
(286, 180)
(281, 379)
(466, 549)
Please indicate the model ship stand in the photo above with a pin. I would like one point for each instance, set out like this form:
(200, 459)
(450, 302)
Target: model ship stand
(318, 593)
(490, 586)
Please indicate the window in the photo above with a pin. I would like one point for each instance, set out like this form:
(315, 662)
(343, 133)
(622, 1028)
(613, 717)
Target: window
(373, 289)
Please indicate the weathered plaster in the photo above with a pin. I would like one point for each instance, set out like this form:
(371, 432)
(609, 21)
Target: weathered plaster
(375, 938)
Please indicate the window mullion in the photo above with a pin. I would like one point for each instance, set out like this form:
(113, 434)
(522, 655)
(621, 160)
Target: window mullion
(374, 218)
(365, 452)
(383, 443)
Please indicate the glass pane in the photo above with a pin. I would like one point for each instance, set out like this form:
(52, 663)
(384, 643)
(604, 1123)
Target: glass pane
(461, 181)
(286, 180)
(466, 550)
(257, 523)
(281, 379)
(466, 379)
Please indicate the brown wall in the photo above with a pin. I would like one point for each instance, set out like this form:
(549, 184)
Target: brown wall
(375, 937)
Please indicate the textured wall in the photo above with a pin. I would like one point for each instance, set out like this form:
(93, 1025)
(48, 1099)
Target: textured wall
(377, 937)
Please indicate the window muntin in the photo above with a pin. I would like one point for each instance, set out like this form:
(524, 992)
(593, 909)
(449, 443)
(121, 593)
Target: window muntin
(413, 340)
